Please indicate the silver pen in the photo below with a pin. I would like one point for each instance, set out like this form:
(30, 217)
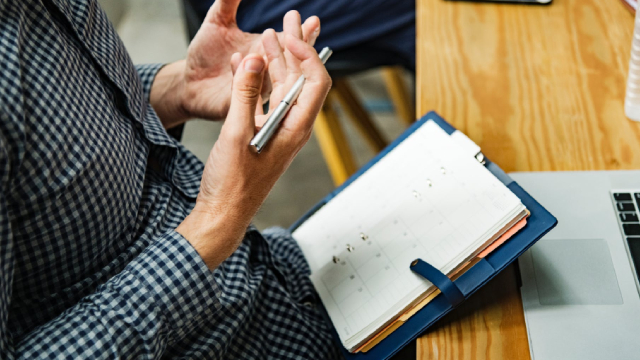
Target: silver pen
(270, 126)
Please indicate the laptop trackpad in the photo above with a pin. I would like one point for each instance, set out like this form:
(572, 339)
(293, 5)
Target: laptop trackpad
(575, 272)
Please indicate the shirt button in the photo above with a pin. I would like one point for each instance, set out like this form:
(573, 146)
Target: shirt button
(309, 304)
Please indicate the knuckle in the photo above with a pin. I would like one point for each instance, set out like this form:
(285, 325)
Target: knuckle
(299, 138)
(231, 137)
(236, 137)
(248, 93)
(327, 80)
(305, 138)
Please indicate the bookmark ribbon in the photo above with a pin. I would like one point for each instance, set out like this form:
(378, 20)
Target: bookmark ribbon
(448, 288)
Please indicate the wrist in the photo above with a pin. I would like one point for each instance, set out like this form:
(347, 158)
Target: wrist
(168, 94)
(215, 236)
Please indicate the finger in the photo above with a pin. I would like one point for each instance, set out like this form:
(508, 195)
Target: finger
(277, 62)
(315, 89)
(312, 67)
(311, 30)
(259, 107)
(267, 87)
(245, 96)
(291, 24)
(292, 27)
(223, 12)
(236, 58)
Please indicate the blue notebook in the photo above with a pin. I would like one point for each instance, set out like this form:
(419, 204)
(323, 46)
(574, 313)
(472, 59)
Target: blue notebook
(424, 207)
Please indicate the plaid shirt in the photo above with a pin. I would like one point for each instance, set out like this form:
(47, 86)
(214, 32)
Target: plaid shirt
(90, 266)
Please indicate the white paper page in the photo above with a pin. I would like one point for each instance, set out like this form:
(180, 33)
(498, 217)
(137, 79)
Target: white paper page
(426, 199)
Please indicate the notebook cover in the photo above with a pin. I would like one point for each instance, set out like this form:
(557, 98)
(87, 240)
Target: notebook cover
(539, 223)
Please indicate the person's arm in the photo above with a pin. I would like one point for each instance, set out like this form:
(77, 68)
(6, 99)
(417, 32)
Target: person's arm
(154, 302)
(157, 299)
(163, 89)
(236, 179)
(143, 309)
(169, 288)
(166, 95)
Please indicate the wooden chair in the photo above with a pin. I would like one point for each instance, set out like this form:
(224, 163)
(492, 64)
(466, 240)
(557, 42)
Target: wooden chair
(328, 129)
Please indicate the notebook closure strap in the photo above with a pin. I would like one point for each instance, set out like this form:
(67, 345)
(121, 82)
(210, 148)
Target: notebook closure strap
(448, 288)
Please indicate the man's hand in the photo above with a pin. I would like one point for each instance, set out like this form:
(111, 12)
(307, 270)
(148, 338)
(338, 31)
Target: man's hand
(200, 86)
(236, 178)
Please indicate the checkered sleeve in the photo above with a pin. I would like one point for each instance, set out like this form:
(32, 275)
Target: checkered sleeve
(159, 298)
(6, 254)
(147, 73)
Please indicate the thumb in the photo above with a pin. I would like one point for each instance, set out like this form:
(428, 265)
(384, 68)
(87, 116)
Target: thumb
(236, 58)
(223, 12)
(245, 95)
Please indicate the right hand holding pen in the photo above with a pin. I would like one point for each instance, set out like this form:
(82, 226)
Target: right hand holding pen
(237, 179)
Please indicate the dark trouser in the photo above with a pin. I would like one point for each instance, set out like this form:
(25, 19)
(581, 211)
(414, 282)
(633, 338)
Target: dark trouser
(347, 25)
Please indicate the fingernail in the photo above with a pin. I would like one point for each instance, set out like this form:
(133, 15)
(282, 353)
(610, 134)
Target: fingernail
(254, 65)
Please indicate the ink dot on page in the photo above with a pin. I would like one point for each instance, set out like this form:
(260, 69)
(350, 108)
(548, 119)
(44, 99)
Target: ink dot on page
(352, 277)
(336, 259)
(364, 236)
(350, 248)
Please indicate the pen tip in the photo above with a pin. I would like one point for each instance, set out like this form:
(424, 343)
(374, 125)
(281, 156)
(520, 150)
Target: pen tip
(256, 147)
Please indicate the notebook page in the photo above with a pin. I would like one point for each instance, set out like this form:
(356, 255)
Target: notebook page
(426, 198)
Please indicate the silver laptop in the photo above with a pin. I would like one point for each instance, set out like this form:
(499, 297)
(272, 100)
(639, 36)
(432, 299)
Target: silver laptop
(580, 289)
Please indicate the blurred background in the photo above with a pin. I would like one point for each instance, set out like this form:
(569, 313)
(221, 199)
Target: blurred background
(154, 32)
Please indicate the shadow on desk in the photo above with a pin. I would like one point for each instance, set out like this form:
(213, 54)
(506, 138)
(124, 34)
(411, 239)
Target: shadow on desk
(407, 353)
(498, 307)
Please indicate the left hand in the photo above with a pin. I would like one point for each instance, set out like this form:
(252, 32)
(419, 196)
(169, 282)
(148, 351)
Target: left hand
(202, 82)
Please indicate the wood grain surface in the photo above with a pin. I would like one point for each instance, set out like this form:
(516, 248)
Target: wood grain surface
(539, 88)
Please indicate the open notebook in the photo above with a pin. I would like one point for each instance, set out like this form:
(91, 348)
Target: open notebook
(428, 198)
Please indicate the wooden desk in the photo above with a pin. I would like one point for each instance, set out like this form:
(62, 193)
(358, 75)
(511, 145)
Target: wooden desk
(538, 88)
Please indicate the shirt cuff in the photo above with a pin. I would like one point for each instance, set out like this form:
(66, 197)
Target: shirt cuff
(176, 281)
(147, 73)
